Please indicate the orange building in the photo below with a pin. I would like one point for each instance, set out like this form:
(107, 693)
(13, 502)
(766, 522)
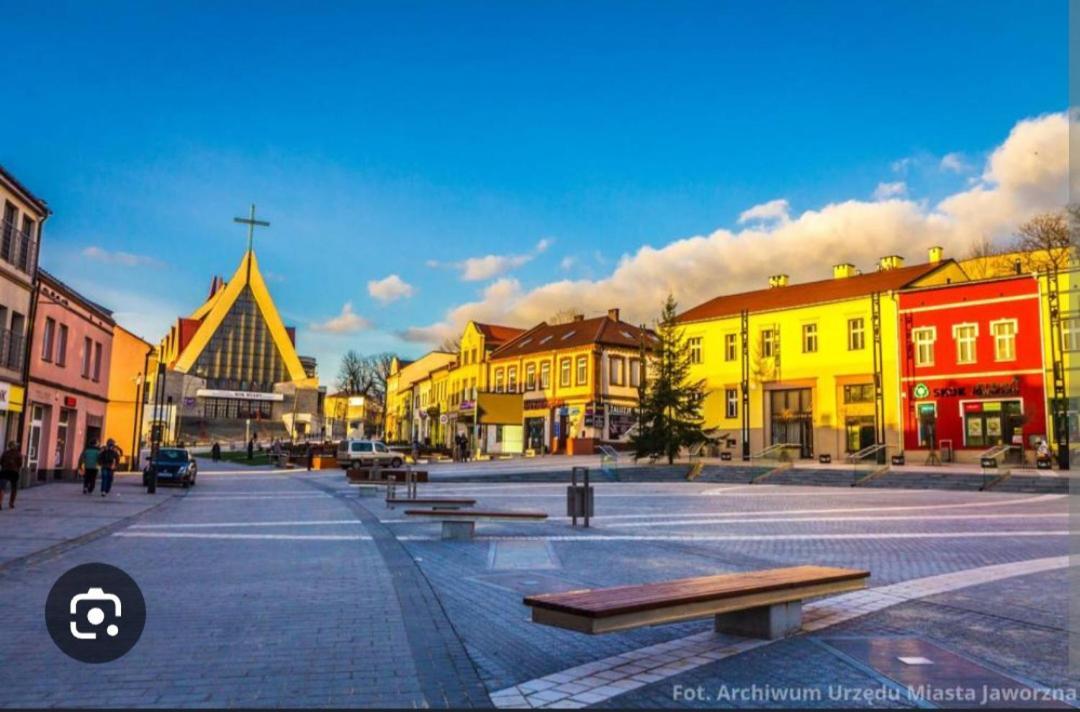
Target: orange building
(126, 378)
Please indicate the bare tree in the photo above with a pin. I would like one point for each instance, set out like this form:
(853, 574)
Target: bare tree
(985, 259)
(564, 316)
(366, 376)
(352, 378)
(451, 344)
(1046, 241)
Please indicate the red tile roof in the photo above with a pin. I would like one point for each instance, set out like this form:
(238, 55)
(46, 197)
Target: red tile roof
(598, 330)
(826, 290)
(495, 334)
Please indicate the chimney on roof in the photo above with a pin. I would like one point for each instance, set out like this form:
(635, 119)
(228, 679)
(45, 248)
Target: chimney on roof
(778, 280)
(936, 254)
(891, 262)
(613, 314)
(579, 317)
(844, 270)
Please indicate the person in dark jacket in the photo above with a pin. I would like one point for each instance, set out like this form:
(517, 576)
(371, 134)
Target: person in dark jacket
(88, 466)
(251, 449)
(108, 459)
(215, 451)
(11, 463)
(310, 456)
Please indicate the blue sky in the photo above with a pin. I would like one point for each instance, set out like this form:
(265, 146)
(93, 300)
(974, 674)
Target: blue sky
(383, 138)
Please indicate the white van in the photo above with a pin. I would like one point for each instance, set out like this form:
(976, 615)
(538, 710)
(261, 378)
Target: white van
(364, 453)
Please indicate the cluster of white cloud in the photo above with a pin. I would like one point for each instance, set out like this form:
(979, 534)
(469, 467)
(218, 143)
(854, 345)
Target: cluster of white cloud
(478, 269)
(347, 322)
(1025, 175)
(390, 289)
(119, 258)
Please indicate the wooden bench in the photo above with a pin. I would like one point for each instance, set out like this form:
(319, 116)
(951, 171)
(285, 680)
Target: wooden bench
(438, 503)
(363, 474)
(461, 524)
(757, 604)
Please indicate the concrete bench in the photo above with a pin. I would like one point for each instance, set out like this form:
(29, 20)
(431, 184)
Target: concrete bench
(461, 524)
(757, 604)
(438, 503)
(363, 474)
(366, 490)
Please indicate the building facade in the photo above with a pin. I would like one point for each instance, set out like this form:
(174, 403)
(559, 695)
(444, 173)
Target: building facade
(402, 393)
(20, 240)
(129, 362)
(810, 367)
(70, 356)
(972, 368)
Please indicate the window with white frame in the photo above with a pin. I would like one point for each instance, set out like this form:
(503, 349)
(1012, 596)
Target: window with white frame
(1004, 333)
(1070, 334)
(635, 372)
(924, 338)
(530, 377)
(809, 338)
(582, 370)
(564, 373)
(498, 380)
(731, 402)
(545, 374)
(617, 367)
(511, 379)
(856, 334)
(730, 347)
(768, 343)
(694, 345)
(965, 336)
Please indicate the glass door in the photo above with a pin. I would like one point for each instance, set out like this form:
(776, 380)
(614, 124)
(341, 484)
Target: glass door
(33, 449)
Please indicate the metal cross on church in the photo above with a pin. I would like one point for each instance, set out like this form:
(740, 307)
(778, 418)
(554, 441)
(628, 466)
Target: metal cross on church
(251, 222)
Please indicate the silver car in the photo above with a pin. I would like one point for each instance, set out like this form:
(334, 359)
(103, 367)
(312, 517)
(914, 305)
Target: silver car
(364, 453)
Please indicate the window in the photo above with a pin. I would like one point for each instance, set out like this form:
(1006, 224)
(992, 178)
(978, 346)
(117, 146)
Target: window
(924, 339)
(731, 402)
(511, 379)
(498, 380)
(694, 344)
(88, 346)
(617, 375)
(965, 335)
(859, 393)
(768, 343)
(530, 377)
(545, 375)
(635, 372)
(1004, 332)
(564, 373)
(1070, 334)
(730, 347)
(809, 338)
(856, 334)
(582, 370)
(48, 337)
(61, 346)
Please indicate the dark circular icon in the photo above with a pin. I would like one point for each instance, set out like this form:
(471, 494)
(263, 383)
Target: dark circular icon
(95, 613)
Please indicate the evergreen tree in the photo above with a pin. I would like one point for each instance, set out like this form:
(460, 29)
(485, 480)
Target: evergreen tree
(670, 404)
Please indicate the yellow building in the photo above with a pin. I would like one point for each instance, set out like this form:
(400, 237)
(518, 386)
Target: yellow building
(350, 416)
(402, 418)
(578, 382)
(128, 364)
(469, 377)
(798, 364)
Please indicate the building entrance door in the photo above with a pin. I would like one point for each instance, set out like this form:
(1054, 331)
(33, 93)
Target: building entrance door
(792, 419)
(33, 442)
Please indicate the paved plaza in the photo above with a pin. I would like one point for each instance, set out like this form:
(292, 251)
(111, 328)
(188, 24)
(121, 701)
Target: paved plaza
(269, 588)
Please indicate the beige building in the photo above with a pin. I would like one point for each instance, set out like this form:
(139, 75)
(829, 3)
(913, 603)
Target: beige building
(20, 240)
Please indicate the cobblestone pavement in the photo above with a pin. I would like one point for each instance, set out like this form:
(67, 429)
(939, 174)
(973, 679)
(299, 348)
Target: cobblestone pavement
(287, 589)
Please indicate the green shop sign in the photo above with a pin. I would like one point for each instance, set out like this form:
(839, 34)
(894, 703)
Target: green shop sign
(921, 390)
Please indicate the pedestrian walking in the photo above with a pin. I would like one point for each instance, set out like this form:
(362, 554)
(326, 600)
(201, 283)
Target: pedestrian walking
(215, 451)
(11, 463)
(108, 459)
(251, 449)
(310, 456)
(88, 466)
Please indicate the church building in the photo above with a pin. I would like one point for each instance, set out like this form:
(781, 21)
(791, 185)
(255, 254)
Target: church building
(232, 370)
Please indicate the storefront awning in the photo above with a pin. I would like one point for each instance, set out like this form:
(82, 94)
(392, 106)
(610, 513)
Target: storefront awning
(500, 408)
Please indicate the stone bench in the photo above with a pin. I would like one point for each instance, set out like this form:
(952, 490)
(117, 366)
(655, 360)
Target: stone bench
(437, 503)
(363, 474)
(758, 604)
(461, 524)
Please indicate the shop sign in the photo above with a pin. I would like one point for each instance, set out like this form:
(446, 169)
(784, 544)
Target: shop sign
(467, 405)
(536, 404)
(239, 395)
(444, 418)
(70, 402)
(973, 408)
(921, 390)
(979, 390)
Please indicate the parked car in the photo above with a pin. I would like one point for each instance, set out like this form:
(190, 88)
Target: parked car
(174, 466)
(364, 453)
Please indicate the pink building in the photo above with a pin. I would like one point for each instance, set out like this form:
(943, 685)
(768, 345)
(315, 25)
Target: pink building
(70, 348)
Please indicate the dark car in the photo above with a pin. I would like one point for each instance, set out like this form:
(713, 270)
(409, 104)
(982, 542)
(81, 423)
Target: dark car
(174, 466)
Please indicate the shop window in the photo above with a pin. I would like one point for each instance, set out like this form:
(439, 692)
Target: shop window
(856, 334)
(859, 432)
(617, 366)
(859, 393)
(530, 377)
(731, 402)
(769, 343)
(965, 336)
(924, 339)
(1004, 333)
(564, 373)
(582, 370)
(809, 338)
(545, 375)
(694, 345)
(730, 348)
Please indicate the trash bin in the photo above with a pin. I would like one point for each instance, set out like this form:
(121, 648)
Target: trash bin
(579, 498)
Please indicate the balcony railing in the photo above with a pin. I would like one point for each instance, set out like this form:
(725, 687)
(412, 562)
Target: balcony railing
(12, 349)
(17, 247)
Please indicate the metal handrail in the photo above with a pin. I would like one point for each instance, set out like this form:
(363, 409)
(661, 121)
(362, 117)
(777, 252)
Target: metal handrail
(854, 457)
(996, 451)
(778, 446)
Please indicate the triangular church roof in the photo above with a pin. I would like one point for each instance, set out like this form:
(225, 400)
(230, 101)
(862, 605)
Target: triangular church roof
(212, 313)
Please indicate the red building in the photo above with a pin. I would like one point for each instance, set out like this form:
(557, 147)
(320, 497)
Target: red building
(972, 366)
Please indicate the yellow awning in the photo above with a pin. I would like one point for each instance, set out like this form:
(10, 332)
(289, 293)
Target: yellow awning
(500, 408)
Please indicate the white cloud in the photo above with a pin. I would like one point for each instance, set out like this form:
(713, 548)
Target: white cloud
(1025, 175)
(389, 289)
(478, 269)
(119, 258)
(954, 163)
(347, 322)
(895, 189)
(567, 263)
(772, 211)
